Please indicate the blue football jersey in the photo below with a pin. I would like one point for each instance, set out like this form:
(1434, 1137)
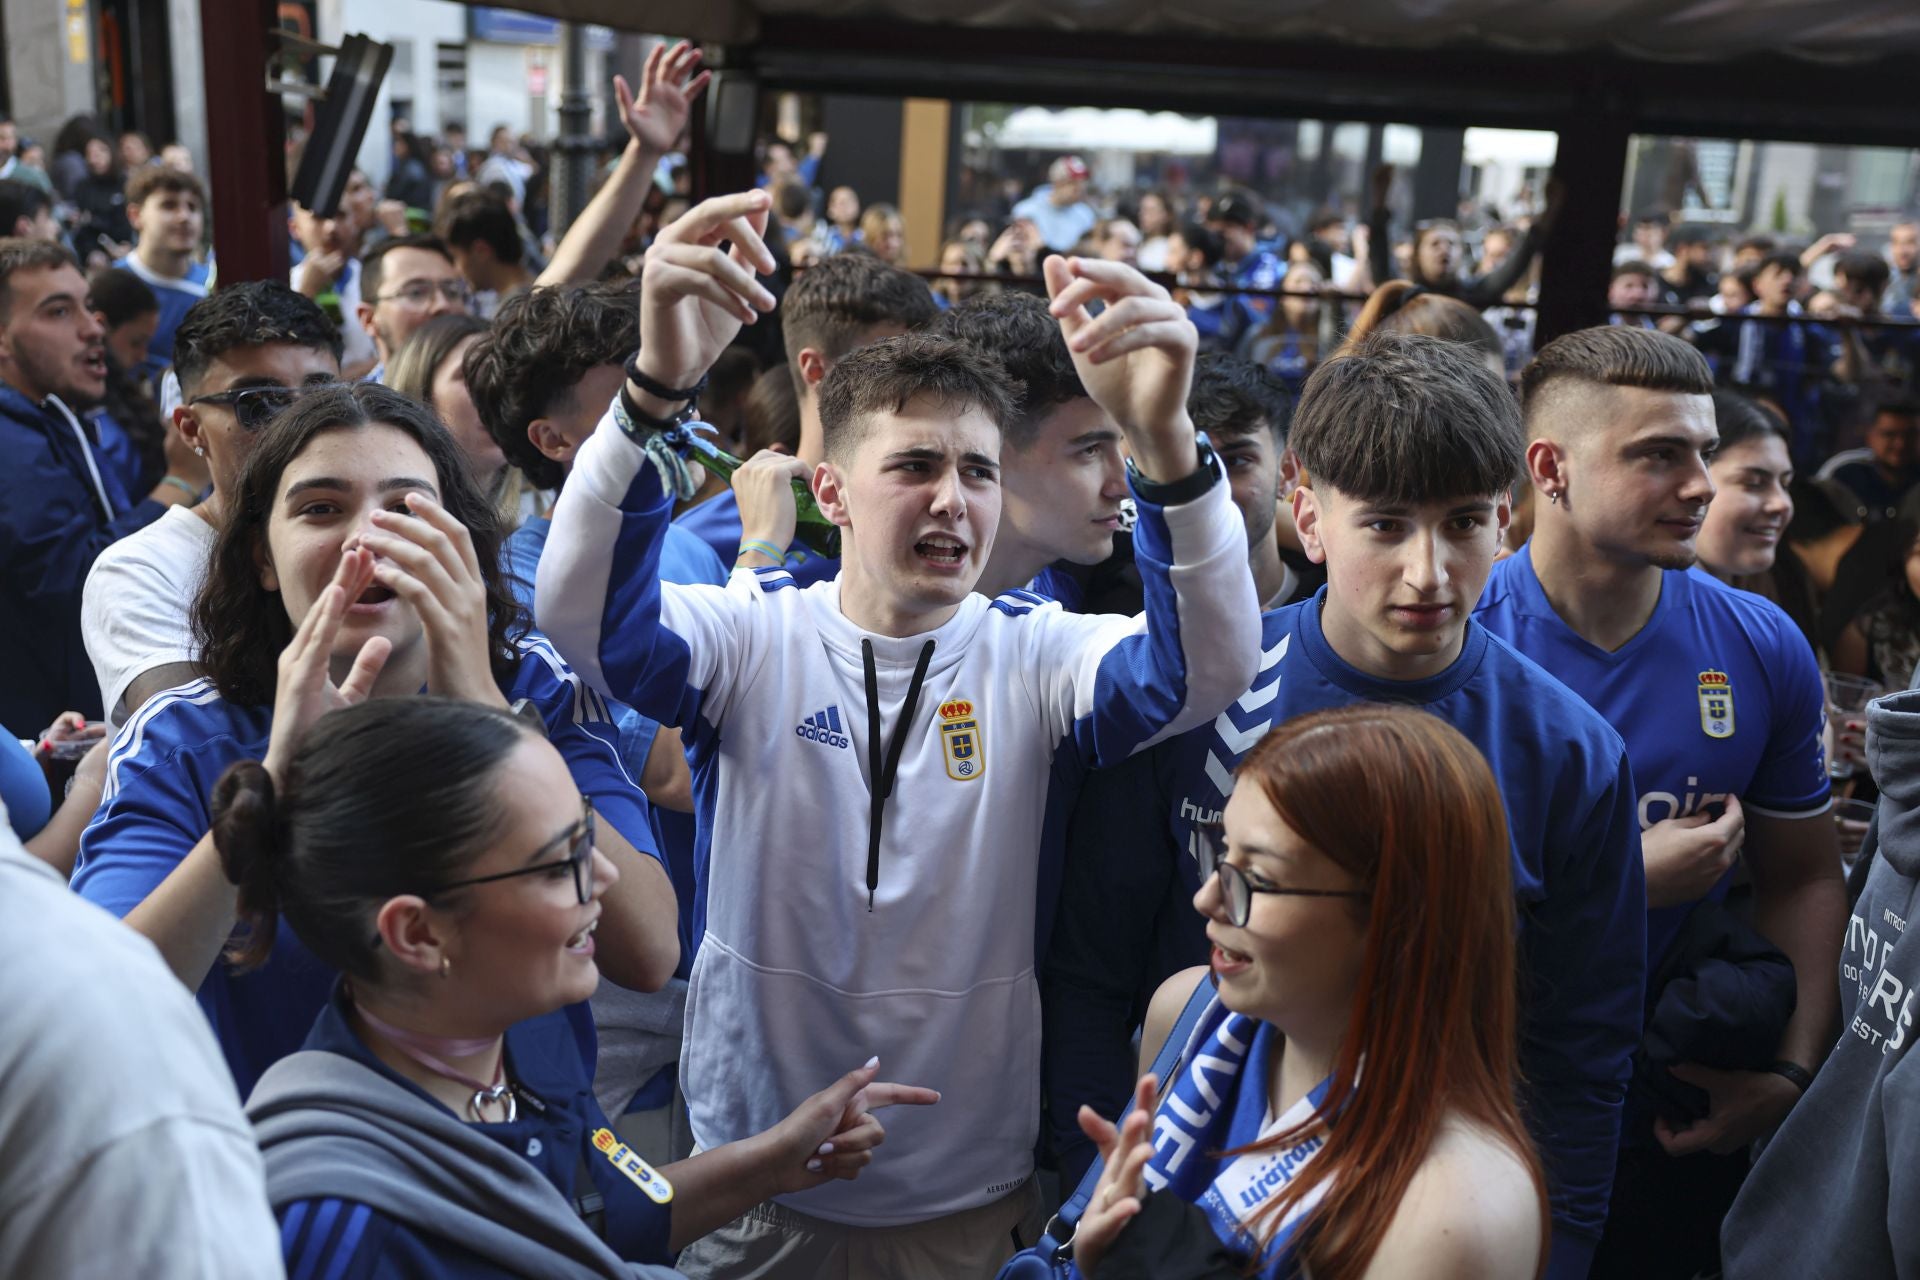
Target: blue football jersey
(1717, 695)
(1577, 877)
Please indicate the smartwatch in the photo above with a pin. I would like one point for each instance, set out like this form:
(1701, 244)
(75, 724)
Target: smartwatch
(1174, 492)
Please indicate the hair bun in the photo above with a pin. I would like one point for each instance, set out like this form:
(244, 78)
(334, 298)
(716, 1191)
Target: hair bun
(246, 836)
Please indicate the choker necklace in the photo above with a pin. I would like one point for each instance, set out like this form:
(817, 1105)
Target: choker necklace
(425, 1050)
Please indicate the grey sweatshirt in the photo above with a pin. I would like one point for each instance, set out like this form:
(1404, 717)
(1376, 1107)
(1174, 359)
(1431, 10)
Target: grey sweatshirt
(330, 1126)
(1837, 1191)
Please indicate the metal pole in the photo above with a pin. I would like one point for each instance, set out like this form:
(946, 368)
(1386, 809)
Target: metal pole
(573, 157)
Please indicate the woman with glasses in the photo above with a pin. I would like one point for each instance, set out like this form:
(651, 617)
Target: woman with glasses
(439, 1121)
(355, 560)
(1346, 1104)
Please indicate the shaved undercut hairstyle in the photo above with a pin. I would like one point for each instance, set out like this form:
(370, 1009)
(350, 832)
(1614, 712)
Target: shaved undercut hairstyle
(1610, 356)
(890, 374)
(832, 305)
(1401, 419)
(1019, 331)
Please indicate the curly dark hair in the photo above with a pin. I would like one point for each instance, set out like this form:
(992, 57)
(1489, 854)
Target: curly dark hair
(1020, 332)
(240, 627)
(541, 344)
(1232, 398)
(255, 313)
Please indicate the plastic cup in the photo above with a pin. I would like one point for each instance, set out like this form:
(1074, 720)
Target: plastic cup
(1847, 699)
(1851, 817)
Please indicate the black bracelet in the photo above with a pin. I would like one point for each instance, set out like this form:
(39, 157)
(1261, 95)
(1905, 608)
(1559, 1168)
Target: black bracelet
(631, 416)
(1801, 1077)
(654, 387)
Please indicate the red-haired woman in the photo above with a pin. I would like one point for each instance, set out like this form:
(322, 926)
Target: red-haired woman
(1345, 1107)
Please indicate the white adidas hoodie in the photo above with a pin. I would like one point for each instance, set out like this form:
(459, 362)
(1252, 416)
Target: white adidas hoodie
(814, 960)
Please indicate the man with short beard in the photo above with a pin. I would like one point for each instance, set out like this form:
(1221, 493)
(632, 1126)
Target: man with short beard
(60, 502)
(1720, 703)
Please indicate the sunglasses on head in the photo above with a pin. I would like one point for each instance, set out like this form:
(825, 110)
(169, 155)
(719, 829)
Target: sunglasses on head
(254, 407)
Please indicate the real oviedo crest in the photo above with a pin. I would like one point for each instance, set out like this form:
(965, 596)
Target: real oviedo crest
(961, 741)
(1716, 704)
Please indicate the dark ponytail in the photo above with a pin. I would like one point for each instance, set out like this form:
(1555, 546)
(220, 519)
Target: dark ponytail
(244, 832)
(393, 796)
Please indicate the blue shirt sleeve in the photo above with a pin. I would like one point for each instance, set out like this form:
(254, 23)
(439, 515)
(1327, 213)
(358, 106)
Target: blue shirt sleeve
(1585, 960)
(334, 1239)
(154, 814)
(1792, 776)
(584, 728)
(23, 787)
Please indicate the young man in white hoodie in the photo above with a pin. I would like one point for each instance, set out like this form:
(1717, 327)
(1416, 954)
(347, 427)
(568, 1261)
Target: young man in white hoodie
(872, 755)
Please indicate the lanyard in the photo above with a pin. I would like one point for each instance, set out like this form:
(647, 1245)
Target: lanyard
(884, 769)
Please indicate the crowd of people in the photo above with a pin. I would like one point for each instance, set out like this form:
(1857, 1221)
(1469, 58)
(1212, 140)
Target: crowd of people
(692, 749)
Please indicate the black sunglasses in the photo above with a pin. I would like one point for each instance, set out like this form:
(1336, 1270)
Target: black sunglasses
(254, 407)
(578, 843)
(1236, 890)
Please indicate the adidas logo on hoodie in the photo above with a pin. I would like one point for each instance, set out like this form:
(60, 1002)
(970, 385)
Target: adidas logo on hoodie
(823, 727)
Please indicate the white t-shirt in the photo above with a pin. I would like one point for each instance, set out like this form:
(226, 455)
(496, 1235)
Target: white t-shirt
(126, 1152)
(133, 610)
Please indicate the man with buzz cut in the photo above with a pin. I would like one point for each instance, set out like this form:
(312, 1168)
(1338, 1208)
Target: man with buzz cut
(872, 893)
(836, 307)
(1062, 481)
(1406, 449)
(1720, 702)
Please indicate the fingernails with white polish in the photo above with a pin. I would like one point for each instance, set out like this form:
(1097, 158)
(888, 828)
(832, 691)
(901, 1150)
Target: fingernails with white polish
(826, 1149)
(814, 1166)
(874, 1061)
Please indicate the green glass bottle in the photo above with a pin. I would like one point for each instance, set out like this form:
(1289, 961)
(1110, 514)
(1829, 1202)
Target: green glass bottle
(811, 527)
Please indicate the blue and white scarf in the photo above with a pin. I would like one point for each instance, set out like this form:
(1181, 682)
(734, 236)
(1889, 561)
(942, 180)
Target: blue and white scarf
(1218, 1102)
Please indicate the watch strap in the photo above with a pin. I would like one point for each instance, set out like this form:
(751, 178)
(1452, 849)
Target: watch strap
(1793, 1071)
(1171, 493)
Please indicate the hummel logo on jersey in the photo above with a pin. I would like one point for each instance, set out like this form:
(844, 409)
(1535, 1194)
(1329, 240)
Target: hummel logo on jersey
(823, 727)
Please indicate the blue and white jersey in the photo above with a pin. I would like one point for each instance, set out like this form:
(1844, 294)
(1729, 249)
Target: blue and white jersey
(176, 299)
(157, 804)
(1578, 879)
(716, 522)
(1717, 695)
(805, 968)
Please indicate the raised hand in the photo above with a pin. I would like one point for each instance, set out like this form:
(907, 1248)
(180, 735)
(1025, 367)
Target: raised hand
(668, 86)
(1121, 1190)
(305, 690)
(833, 1133)
(428, 560)
(1136, 357)
(696, 294)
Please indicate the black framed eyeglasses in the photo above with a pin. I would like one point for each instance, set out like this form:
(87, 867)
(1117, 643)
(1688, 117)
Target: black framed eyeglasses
(1236, 890)
(419, 293)
(578, 843)
(254, 407)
